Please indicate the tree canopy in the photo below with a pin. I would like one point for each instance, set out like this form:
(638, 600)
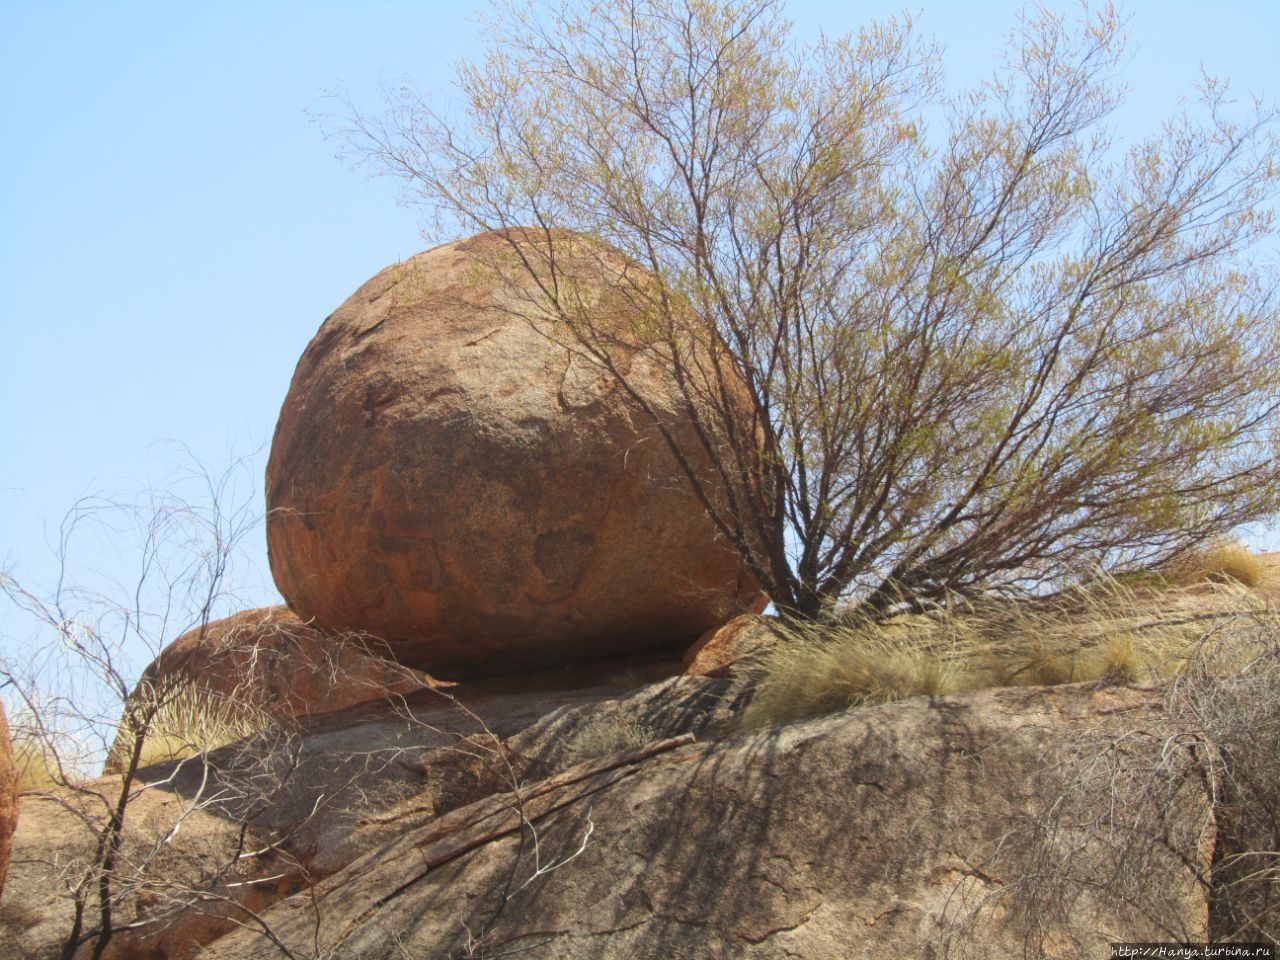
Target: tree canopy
(981, 346)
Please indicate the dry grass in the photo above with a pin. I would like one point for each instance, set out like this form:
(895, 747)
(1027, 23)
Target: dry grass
(40, 767)
(196, 720)
(1225, 562)
(1105, 631)
(46, 752)
(817, 669)
(604, 737)
(189, 722)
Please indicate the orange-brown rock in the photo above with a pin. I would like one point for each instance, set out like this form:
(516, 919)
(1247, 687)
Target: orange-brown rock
(172, 848)
(720, 650)
(272, 661)
(8, 796)
(449, 475)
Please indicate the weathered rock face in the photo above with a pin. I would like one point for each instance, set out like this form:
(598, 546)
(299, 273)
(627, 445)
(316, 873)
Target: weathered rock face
(312, 797)
(1018, 822)
(171, 848)
(448, 475)
(274, 662)
(8, 796)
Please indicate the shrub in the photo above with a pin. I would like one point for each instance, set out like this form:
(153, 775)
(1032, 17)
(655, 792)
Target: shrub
(973, 354)
(1240, 713)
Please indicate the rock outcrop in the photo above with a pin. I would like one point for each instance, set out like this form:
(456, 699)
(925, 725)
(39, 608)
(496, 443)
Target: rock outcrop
(172, 849)
(1034, 821)
(450, 474)
(8, 796)
(254, 822)
(273, 663)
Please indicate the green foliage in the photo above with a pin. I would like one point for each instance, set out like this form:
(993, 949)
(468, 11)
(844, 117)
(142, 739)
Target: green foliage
(923, 356)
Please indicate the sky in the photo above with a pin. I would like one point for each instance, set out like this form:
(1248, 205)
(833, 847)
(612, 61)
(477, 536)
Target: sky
(175, 226)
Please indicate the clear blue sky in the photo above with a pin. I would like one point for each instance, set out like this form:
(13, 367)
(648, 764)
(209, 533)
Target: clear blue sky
(175, 229)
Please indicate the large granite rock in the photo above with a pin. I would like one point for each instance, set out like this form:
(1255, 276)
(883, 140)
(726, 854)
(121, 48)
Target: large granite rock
(1041, 822)
(1019, 822)
(209, 839)
(173, 852)
(448, 474)
(730, 648)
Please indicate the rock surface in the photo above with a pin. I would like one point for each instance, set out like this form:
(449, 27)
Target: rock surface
(310, 798)
(1049, 819)
(8, 796)
(723, 651)
(448, 475)
(172, 849)
(1033, 821)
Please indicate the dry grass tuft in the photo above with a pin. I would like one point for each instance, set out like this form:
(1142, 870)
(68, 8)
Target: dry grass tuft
(1103, 632)
(40, 767)
(817, 669)
(1225, 562)
(196, 720)
(46, 752)
(188, 722)
(604, 737)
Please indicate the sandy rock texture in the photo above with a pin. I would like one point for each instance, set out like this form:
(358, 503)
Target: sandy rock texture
(208, 838)
(1033, 821)
(450, 475)
(173, 849)
(725, 650)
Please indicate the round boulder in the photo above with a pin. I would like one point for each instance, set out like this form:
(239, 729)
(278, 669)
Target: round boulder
(452, 474)
(267, 665)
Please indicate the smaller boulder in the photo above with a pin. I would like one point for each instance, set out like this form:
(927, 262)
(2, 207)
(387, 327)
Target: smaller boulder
(722, 651)
(269, 660)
